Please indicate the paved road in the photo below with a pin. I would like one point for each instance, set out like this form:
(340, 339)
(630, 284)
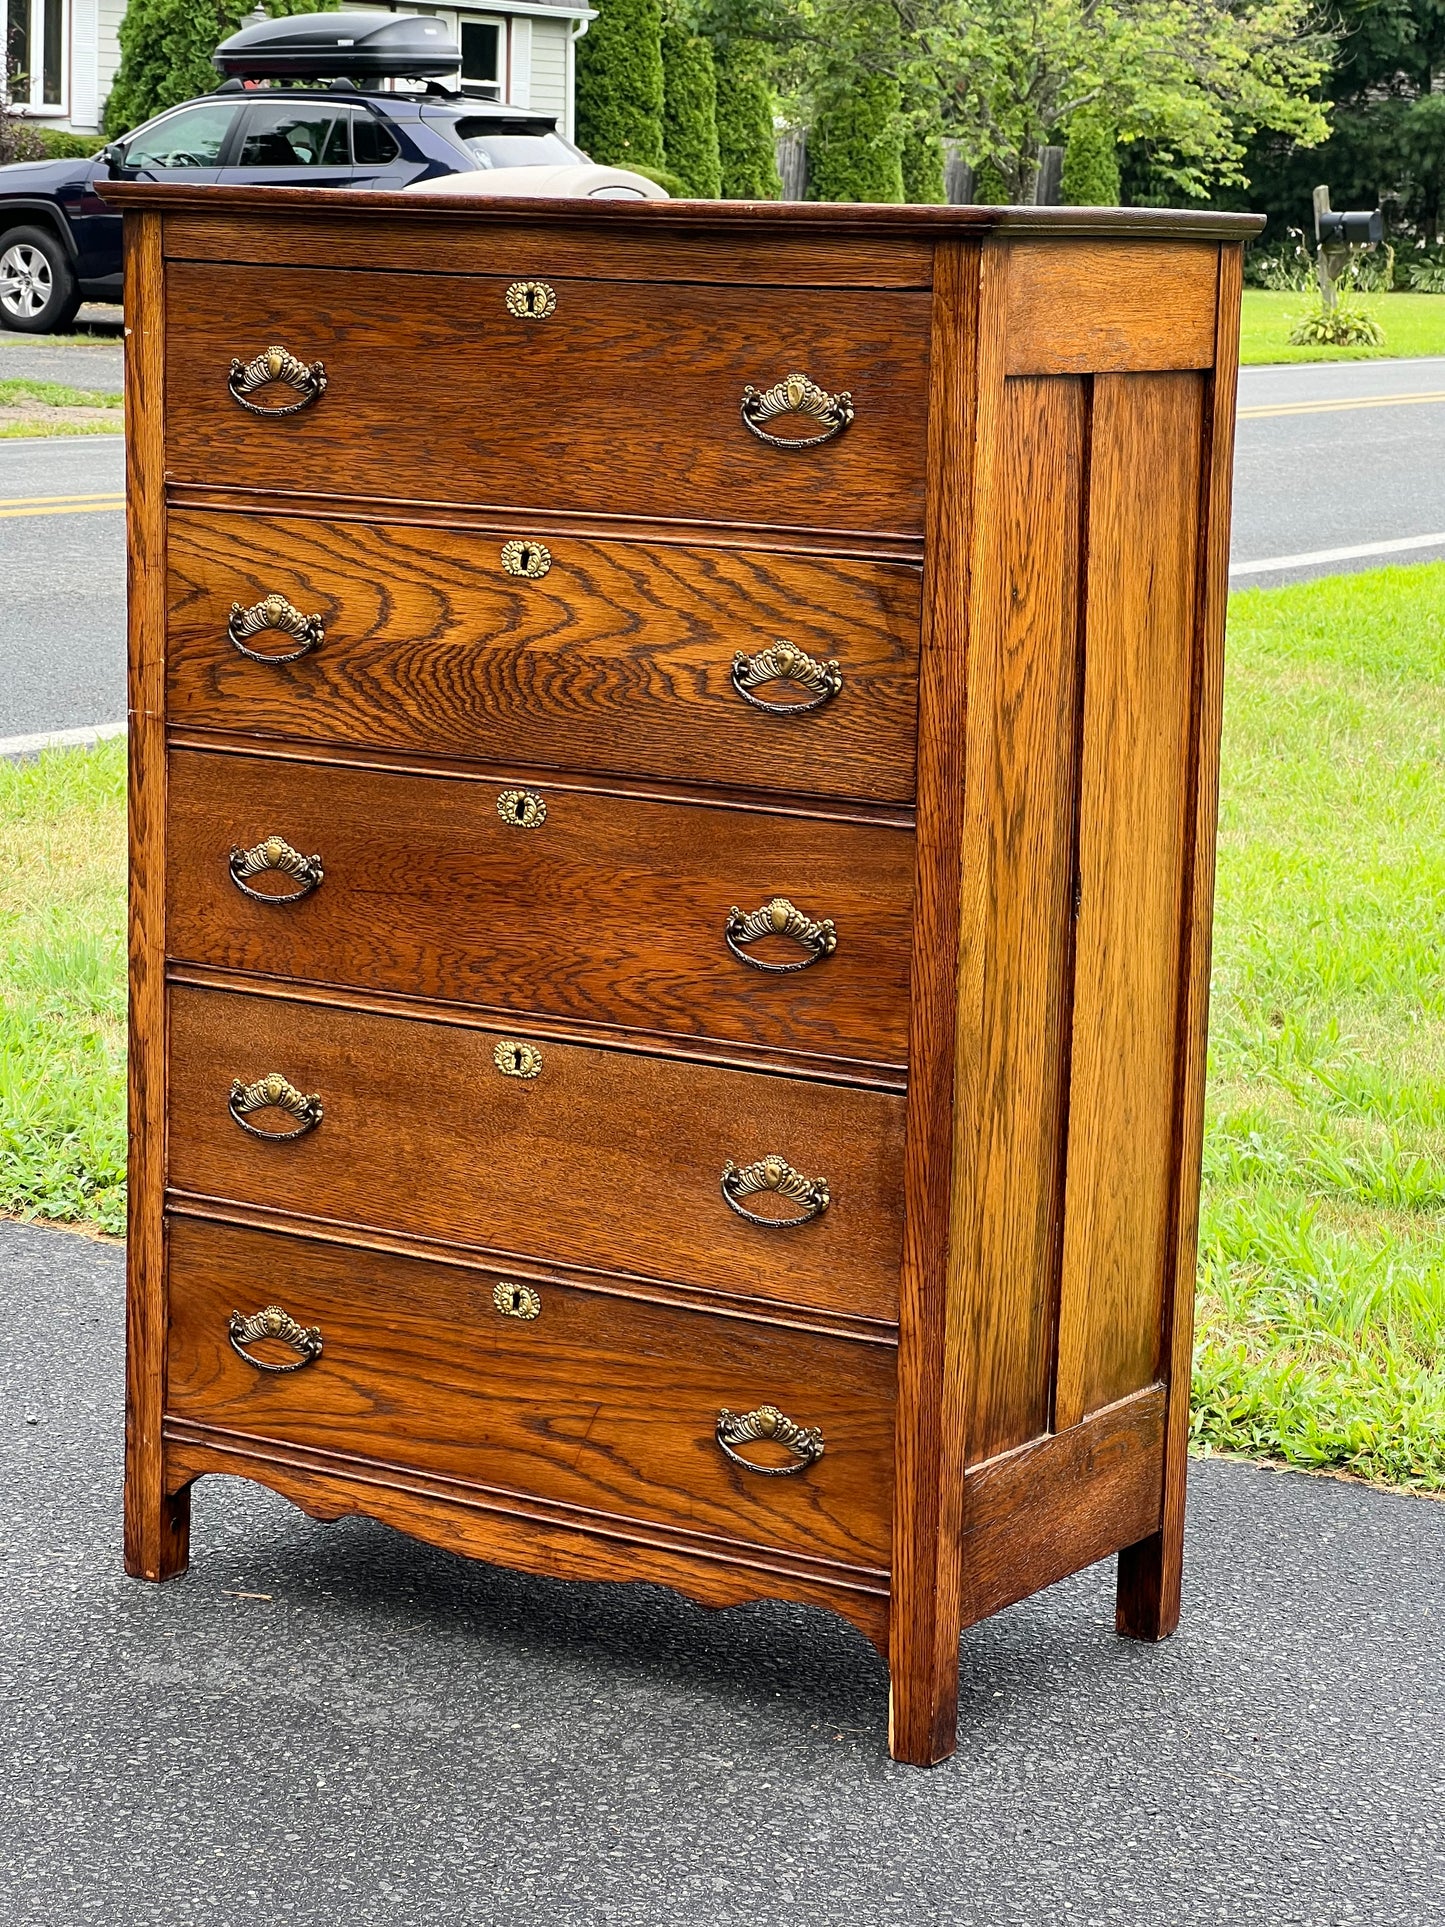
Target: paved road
(1330, 477)
(394, 1735)
(62, 583)
(1315, 471)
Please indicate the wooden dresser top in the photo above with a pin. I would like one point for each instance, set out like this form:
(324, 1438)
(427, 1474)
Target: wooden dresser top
(776, 218)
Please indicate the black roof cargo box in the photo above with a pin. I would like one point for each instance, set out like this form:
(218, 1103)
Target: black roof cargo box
(336, 46)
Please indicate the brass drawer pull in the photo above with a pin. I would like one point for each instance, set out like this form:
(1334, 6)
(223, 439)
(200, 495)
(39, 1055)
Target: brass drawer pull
(273, 1322)
(531, 300)
(274, 612)
(796, 395)
(275, 854)
(805, 1442)
(528, 559)
(774, 1173)
(779, 918)
(273, 1092)
(786, 662)
(276, 366)
(516, 1301)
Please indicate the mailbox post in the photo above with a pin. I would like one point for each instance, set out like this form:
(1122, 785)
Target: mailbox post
(1335, 235)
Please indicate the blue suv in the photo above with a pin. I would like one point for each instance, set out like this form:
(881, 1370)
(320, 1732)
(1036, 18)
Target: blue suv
(61, 245)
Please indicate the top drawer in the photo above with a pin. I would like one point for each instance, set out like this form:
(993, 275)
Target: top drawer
(624, 400)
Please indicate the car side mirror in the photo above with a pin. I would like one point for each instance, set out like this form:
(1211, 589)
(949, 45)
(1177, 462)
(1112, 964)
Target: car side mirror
(112, 158)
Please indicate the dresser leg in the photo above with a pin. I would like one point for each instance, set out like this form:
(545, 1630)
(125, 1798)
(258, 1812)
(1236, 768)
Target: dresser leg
(157, 1534)
(923, 1716)
(1147, 1601)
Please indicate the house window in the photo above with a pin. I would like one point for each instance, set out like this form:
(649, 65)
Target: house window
(35, 50)
(483, 55)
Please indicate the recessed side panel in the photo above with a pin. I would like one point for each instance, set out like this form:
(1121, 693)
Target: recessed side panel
(1142, 533)
(1028, 608)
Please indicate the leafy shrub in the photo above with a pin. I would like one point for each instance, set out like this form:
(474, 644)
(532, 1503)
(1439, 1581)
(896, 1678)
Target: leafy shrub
(619, 85)
(675, 185)
(1423, 271)
(1090, 175)
(1286, 267)
(923, 158)
(60, 146)
(689, 111)
(1343, 326)
(855, 148)
(19, 141)
(747, 153)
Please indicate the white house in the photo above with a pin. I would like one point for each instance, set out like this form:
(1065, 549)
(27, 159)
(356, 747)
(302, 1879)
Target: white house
(516, 50)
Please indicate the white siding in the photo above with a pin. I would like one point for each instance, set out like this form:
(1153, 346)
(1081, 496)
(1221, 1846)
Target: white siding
(549, 68)
(519, 57)
(109, 14)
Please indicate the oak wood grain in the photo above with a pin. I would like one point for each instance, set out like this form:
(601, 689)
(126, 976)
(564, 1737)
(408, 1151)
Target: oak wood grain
(1021, 862)
(620, 401)
(529, 1537)
(440, 1257)
(597, 1402)
(157, 1524)
(609, 911)
(1150, 1572)
(618, 659)
(608, 1157)
(1111, 307)
(1142, 531)
(932, 1365)
(1060, 1503)
(537, 250)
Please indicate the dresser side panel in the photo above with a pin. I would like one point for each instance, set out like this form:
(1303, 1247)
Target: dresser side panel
(1111, 307)
(1021, 855)
(1143, 525)
(155, 1524)
(1150, 1571)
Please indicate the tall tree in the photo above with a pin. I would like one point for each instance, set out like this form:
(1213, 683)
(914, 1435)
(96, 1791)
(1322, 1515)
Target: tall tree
(620, 86)
(747, 146)
(166, 48)
(689, 108)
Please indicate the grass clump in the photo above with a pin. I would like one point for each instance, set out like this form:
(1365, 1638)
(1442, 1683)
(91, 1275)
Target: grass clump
(62, 986)
(1345, 325)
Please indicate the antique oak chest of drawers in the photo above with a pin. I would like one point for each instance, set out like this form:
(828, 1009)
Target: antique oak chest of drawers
(674, 762)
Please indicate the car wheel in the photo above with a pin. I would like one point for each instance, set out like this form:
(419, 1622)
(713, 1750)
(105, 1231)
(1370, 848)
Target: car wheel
(38, 292)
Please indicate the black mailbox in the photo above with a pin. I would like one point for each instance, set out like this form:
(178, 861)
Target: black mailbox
(1350, 230)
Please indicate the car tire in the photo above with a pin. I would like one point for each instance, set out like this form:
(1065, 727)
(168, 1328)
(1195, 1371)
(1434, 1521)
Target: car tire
(38, 291)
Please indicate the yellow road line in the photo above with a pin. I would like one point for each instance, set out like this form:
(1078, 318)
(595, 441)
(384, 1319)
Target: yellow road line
(110, 506)
(1337, 407)
(26, 501)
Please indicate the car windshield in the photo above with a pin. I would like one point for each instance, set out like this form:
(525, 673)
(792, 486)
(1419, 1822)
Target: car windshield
(489, 149)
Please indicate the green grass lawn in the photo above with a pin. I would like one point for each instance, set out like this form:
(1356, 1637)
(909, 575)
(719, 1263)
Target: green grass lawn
(1414, 324)
(1322, 1272)
(50, 408)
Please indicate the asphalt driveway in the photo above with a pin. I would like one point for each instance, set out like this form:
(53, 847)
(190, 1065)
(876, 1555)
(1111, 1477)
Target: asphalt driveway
(391, 1734)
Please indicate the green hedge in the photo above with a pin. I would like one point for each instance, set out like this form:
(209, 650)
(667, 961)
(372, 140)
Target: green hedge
(689, 111)
(68, 147)
(166, 48)
(1091, 163)
(619, 85)
(746, 149)
(923, 160)
(855, 147)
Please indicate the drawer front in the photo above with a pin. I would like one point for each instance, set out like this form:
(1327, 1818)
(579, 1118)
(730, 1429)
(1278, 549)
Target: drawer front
(625, 401)
(602, 1402)
(620, 658)
(609, 909)
(603, 1158)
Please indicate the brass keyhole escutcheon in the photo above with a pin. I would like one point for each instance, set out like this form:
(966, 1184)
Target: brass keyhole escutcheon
(531, 300)
(516, 1301)
(527, 558)
(516, 1059)
(522, 809)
